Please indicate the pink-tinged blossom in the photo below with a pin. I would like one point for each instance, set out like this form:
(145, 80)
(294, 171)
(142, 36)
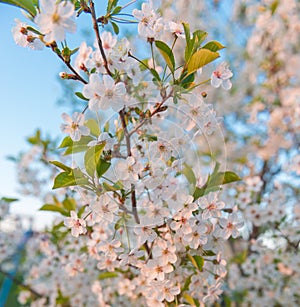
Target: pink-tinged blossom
(164, 251)
(105, 208)
(166, 290)
(104, 94)
(155, 268)
(110, 248)
(74, 126)
(229, 227)
(196, 237)
(213, 294)
(211, 206)
(108, 41)
(55, 19)
(144, 234)
(24, 37)
(83, 56)
(175, 28)
(150, 24)
(221, 76)
(77, 225)
(104, 138)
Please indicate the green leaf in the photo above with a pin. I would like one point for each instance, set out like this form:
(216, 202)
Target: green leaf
(8, 200)
(26, 5)
(36, 138)
(116, 10)
(115, 27)
(117, 186)
(67, 179)
(201, 58)
(110, 5)
(208, 253)
(66, 142)
(93, 126)
(54, 208)
(61, 166)
(213, 46)
(214, 181)
(80, 95)
(189, 174)
(155, 74)
(102, 167)
(186, 284)
(190, 300)
(69, 204)
(92, 157)
(74, 147)
(167, 54)
(198, 37)
(197, 261)
(106, 275)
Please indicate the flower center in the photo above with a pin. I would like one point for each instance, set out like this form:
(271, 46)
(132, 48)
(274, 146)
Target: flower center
(55, 18)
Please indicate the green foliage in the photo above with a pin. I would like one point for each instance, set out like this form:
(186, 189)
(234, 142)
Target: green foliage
(213, 46)
(93, 126)
(102, 167)
(75, 177)
(167, 54)
(64, 207)
(214, 181)
(74, 147)
(92, 157)
(26, 5)
(197, 261)
(8, 199)
(201, 58)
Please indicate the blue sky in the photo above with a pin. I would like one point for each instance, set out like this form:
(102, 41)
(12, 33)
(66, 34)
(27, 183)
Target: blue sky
(29, 90)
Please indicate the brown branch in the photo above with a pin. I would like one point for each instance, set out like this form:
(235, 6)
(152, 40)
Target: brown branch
(19, 283)
(67, 63)
(155, 111)
(128, 146)
(96, 28)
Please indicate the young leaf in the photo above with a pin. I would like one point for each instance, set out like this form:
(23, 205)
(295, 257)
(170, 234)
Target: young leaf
(92, 157)
(61, 166)
(198, 37)
(102, 167)
(155, 74)
(167, 54)
(189, 174)
(116, 10)
(111, 5)
(197, 261)
(67, 179)
(26, 5)
(106, 275)
(69, 204)
(115, 27)
(201, 58)
(66, 142)
(8, 199)
(80, 95)
(117, 186)
(93, 126)
(213, 46)
(54, 208)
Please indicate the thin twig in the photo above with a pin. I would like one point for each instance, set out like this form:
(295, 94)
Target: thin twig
(19, 283)
(96, 28)
(156, 110)
(128, 146)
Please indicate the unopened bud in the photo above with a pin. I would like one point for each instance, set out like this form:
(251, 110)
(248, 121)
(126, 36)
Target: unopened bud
(67, 76)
